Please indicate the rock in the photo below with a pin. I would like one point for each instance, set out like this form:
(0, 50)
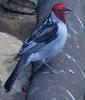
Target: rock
(14, 29)
(69, 81)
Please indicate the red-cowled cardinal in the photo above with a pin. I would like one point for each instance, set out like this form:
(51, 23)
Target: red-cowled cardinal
(46, 41)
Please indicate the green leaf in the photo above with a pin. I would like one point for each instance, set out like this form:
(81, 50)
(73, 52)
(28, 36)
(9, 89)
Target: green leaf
(35, 2)
(58, 0)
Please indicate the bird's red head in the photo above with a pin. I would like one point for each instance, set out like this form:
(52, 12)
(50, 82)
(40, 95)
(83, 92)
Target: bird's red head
(60, 6)
(59, 10)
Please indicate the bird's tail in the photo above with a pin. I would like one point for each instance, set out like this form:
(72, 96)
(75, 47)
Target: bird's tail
(19, 67)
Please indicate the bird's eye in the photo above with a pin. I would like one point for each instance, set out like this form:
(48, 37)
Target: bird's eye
(59, 10)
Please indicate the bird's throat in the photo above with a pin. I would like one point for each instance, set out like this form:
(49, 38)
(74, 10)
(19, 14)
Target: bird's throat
(58, 16)
(62, 17)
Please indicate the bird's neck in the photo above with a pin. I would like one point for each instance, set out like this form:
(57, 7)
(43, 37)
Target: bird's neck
(58, 17)
(61, 17)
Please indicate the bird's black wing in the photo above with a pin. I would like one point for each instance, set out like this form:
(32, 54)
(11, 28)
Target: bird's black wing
(48, 35)
(44, 35)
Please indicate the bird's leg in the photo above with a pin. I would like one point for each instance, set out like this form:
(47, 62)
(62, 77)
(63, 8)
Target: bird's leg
(35, 70)
(49, 67)
(39, 66)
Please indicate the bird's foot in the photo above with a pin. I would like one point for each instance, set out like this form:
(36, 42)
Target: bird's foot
(50, 68)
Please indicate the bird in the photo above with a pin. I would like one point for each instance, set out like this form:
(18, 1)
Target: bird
(46, 41)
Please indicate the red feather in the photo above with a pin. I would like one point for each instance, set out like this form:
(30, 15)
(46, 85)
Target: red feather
(60, 6)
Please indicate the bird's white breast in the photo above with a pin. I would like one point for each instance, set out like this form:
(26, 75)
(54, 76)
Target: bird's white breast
(56, 45)
(62, 35)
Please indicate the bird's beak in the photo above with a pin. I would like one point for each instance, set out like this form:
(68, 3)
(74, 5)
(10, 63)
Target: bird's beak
(68, 9)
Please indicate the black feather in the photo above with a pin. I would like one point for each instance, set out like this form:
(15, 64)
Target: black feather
(12, 78)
